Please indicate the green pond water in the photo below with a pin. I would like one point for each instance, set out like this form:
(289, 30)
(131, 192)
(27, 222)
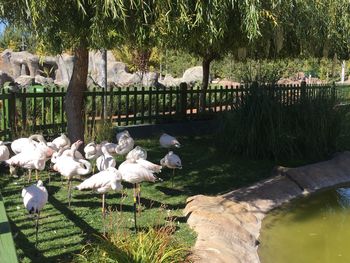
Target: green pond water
(308, 230)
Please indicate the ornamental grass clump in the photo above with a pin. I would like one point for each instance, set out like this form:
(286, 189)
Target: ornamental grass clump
(265, 126)
(147, 246)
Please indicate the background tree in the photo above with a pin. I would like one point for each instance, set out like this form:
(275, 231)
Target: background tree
(209, 29)
(70, 25)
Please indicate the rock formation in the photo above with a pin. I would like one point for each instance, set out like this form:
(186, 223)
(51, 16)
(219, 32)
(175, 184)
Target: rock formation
(26, 69)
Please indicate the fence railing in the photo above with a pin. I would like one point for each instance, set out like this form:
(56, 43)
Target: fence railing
(43, 110)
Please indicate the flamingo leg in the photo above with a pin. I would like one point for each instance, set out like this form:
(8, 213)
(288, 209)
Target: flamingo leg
(135, 208)
(103, 214)
(122, 199)
(36, 175)
(139, 198)
(103, 207)
(172, 179)
(29, 175)
(37, 228)
(69, 191)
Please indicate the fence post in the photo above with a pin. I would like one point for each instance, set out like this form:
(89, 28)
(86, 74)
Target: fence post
(334, 91)
(12, 112)
(303, 90)
(183, 100)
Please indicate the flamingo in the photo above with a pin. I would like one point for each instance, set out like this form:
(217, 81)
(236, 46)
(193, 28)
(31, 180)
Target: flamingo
(120, 134)
(68, 166)
(32, 158)
(172, 161)
(105, 160)
(102, 182)
(61, 141)
(137, 153)
(21, 144)
(4, 152)
(168, 141)
(34, 199)
(125, 144)
(137, 172)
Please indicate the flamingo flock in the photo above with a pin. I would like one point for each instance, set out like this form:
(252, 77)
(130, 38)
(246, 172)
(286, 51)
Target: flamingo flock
(34, 152)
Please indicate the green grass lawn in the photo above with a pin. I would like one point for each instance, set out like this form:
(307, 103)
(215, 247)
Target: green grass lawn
(64, 231)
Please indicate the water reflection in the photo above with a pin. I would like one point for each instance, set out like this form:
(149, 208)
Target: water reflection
(313, 229)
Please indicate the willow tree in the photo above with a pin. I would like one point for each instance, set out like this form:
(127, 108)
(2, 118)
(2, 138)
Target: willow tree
(210, 29)
(77, 26)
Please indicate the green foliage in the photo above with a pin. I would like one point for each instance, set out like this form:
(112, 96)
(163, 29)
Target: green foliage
(147, 246)
(265, 128)
(12, 38)
(266, 70)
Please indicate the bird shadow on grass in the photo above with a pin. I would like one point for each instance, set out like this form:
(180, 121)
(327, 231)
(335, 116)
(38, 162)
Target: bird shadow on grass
(63, 258)
(90, 195)
(155, 204)
(27, 247)
(170, 191)
(91, 232)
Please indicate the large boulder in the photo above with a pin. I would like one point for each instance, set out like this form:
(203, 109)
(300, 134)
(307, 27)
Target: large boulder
(43, 80)
(15, 63)
(192, 75)
(64, 71)
(24, 81)
(170, 81)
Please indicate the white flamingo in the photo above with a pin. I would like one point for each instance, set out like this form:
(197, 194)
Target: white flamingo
(4, 152)
(61, 141)
(31, 158)
(172, 161)
(92, 151)
(137, 172)
(68, 166)
(125, 144)
(105, 160)
(137, 153)
(21, 144)
(102, 182)
(168, 141)
(120, 134)
(34, 199)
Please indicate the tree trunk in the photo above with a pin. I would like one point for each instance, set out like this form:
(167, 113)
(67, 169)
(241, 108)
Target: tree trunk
(205, 83)
(74, 100)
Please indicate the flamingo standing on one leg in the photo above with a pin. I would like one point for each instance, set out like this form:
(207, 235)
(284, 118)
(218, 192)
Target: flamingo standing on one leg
(168, 141)
(102, 182)
(68, 166)
(137, 172)
(106, 159)
(172, 161)
(34, 199)
(125, 144)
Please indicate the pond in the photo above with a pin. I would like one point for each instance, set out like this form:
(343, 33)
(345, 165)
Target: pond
(312, 229)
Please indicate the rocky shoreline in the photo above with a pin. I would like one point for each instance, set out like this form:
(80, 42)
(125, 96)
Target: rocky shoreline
(228, 226)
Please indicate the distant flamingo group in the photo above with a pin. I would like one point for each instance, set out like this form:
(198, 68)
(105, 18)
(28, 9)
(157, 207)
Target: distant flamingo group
(33, 152)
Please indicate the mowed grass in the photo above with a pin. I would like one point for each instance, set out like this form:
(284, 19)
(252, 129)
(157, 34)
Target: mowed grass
(64, 231)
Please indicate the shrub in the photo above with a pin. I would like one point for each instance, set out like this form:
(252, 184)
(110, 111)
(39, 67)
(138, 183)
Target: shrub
(265, 128)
